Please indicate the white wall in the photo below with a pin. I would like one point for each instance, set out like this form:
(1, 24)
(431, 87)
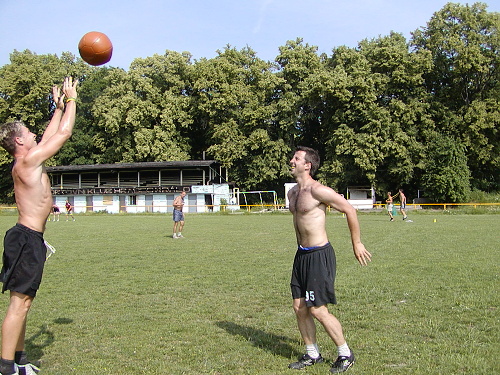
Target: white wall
(288, 186)
(113, 208)
(80, 204)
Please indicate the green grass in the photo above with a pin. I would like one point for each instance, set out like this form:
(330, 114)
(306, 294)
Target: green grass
(121, 296)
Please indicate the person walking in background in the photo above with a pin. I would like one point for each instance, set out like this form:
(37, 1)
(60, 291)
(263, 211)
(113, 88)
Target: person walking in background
(178, 215)
(69, 210)
(314, 266)
(402, 208)
(24, 246)
(390, 205)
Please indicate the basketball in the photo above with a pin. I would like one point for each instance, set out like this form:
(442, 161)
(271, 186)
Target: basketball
(95, 48)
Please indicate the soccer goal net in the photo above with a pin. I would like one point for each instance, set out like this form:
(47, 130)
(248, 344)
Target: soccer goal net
(265, 199)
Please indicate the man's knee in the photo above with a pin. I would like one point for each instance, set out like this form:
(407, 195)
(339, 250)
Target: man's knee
(20, 303)
(320, 312)
(300, 307)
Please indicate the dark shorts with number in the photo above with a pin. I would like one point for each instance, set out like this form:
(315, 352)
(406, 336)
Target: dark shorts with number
(313, 275)
(23, 260)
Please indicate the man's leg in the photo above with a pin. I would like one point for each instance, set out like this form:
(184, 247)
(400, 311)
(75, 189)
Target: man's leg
(305, 321)
(333, 328)
(174, 231)
(179, 231)
(331, 324)
(390, 215)
(14, 325)
(307, 330)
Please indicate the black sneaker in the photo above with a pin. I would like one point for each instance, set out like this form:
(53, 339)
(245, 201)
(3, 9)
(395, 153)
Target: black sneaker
(342, 364)
(304, 361)
(15, 373)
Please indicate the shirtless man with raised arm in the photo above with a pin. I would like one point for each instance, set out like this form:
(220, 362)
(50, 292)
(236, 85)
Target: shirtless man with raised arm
(178, 215)
(24, 246)
(313, 273)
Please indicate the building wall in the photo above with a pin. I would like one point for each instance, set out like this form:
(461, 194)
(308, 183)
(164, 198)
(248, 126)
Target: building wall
(108, 203)
(116, 200)
(161, 203)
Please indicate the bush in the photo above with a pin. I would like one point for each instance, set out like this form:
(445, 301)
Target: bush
(478, 196)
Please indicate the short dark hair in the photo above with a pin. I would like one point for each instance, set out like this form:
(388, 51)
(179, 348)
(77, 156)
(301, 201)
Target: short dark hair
(312, 156)
(8, 134)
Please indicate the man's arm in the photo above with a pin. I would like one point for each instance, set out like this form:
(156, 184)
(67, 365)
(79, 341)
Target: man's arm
(56, 117)
(60, 127)
(331, 198)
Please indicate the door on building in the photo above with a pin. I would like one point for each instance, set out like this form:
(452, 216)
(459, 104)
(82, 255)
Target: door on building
(149, 203)
(209, 202)
(90, 203)
(123, 203)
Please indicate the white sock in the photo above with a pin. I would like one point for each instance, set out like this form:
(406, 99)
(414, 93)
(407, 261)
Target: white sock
(344, 350)
(179, 234)
(312, 350)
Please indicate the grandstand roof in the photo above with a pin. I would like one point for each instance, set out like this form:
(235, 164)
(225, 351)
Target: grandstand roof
(134, 166)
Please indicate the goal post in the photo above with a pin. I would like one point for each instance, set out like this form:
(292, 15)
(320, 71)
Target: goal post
(263, 195)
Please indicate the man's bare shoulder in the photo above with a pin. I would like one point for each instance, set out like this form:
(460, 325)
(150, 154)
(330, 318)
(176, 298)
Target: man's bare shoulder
(318, 188)
(323, 193)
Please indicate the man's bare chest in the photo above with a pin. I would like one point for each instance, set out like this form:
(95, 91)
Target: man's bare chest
(302, 201)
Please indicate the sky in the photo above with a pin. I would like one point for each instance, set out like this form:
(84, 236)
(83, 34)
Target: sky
(142, 28)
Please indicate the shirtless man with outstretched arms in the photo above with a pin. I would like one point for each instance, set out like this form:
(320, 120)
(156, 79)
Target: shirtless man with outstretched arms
(24, 246)
(313, 273)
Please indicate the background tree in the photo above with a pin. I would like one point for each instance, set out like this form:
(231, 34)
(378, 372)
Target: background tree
(25, 87)
(142, 113)
(446, 177)
(464, 82)
(375, 114)
(234, 104)
(381, 114)
(299, 113)
(25, 94)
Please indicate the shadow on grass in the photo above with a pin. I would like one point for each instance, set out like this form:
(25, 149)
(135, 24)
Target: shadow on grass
(278, 345)
(36, 343)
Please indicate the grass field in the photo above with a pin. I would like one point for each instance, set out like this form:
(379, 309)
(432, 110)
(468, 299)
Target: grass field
(120, 296)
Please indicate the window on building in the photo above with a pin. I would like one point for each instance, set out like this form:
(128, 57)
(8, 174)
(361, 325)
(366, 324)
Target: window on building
(132, 200)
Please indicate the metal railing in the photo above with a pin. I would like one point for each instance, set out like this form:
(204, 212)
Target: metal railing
(265, 206)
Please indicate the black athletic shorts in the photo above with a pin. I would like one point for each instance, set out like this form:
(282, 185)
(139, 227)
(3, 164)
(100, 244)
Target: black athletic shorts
(23, 260)
(313, 275)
